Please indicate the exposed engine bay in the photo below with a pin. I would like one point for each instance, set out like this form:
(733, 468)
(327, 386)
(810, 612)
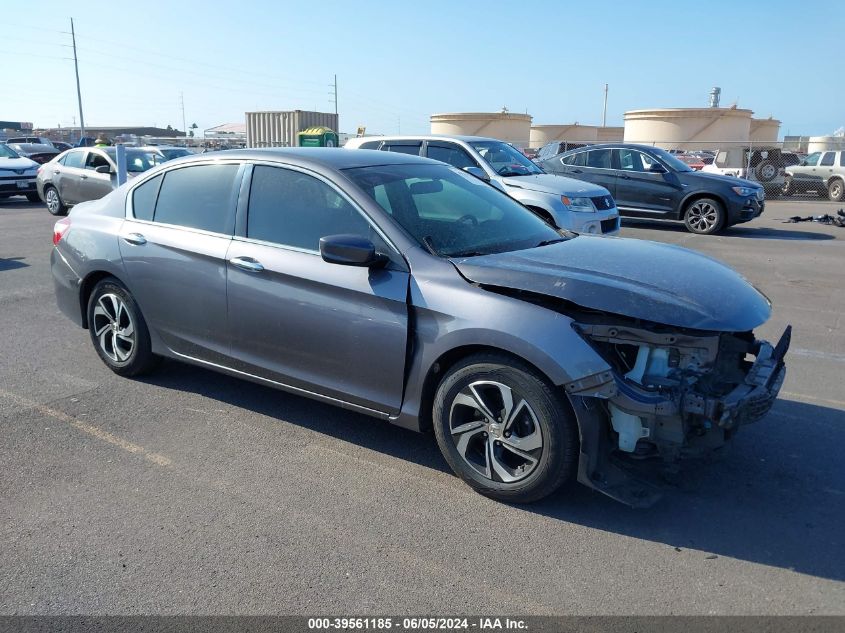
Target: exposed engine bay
(670, 394)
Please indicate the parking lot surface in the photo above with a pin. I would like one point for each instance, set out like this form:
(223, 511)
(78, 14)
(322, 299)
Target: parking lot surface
(193, 493)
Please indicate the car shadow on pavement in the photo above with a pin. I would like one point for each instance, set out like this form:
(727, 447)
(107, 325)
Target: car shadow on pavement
(11, 263)
(747, 232)
(775, 497)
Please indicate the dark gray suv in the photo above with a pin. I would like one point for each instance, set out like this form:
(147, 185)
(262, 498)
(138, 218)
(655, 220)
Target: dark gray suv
(413, 292)
(649, 182)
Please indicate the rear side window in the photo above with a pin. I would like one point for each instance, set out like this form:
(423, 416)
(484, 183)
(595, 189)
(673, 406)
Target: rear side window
(74, 159)
(842, 159)
(290, 208)
(200, 197)
(581, 159)
(452, 155)
(369, 145)
(827, 159)
(403, 147)
(144, 199)
(599, 158)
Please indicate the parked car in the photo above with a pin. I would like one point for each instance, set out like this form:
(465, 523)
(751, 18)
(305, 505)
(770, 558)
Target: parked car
(650, 182)
(550, 150)
(62, 146)
(168, 152)
(566, 203)
(766, 166)
(35, 151)
(40, 140)
(410, 291)
(17, 175)
(822, 172)
(82, 174)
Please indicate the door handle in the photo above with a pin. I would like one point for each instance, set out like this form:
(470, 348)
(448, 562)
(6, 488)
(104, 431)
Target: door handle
(625, 177)
(56, 171)
(247, 263)
(134, 238)
(577, 171)
(84, 177)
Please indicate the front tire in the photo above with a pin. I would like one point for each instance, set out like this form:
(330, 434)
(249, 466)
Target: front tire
(504, 430)
(704, 216)
(54, 202)
(118, 330)
(33, 197)
(836, 190)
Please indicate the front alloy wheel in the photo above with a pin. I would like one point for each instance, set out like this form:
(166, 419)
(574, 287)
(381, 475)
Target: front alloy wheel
(704, 216)
(504, 429)
(54, 202)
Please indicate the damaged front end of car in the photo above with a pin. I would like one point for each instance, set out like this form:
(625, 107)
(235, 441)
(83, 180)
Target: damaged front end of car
(670, 394)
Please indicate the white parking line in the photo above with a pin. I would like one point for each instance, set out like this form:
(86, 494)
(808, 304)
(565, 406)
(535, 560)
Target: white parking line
(90, 429)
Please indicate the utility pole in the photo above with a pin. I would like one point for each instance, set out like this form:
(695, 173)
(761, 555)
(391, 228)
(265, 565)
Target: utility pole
(333, 93)
(78, 90)
(604, 113)
(184, 129)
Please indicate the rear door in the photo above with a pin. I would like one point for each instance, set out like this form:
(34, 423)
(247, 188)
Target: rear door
(639, 191)
(340, 331)
(596, 167)
(174, 243)
(67, 177)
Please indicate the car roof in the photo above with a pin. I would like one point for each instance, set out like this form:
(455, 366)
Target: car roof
(611, 146)
(34, 147)
(427, 137)
(331, 157)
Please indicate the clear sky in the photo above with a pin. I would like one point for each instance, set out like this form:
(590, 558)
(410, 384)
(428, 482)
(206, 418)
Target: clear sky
(397, 62)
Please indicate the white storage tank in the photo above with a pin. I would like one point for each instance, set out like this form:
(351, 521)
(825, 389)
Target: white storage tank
(575, 133)
(825, 143)
(510, 127)
(688, 128)
(764, 131)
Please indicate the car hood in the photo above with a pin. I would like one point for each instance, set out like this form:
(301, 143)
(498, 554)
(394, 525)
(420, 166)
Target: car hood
(635, 278)
(17, 164)
(556, 185)
(733, 181)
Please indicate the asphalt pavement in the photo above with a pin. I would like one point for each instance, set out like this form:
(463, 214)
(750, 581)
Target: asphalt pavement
(188, 492)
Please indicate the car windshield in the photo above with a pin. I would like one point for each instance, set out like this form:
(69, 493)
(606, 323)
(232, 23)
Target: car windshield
(673, 162)
(505, 159)
(137, 160)
(453, 214)
(170, 154)
(7, 152)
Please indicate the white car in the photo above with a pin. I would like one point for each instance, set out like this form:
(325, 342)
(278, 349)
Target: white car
(168, 152)
(765, 166)
(17, 175)
(567, 203)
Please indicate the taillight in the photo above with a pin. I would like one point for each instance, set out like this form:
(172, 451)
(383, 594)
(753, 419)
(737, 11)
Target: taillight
(59, 229)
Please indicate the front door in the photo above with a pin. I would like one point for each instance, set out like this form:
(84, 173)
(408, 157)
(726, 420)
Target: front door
(174, 248)
(640, 191)
(68, 176)
(94, 185)
(340, 331)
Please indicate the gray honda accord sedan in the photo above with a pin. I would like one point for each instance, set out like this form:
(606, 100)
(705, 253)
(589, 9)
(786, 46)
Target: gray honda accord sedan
(407, 290)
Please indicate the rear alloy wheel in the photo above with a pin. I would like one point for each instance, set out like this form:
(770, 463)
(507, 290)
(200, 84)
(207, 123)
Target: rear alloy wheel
(118, 330)
(836, 190)
(504, 430)
(704, 216)
(54, 203)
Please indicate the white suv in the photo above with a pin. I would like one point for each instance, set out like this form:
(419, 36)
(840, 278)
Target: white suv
(570, 204)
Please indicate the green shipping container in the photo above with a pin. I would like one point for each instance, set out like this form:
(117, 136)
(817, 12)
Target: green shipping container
(317, 137)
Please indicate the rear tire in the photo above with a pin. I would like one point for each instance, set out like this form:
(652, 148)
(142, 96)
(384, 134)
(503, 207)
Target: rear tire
(118, 330)
(520, 438)
(54, 202)
(836, 190)
(704, 216)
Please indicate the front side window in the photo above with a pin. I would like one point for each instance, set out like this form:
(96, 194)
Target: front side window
(199, 197)
(95, 160)
(290, 208)
(450, 212)
(505, 159)
(827, 159)
(842, 159)
(74, 159)
(450, 154)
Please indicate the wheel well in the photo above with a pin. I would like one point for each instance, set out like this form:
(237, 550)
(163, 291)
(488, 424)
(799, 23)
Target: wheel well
(85, 290)
(448, 360)
(698, 196)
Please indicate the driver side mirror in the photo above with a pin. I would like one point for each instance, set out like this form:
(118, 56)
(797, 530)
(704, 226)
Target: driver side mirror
(103, 169)
(656, 168)
(478, 173)
(350, 250)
